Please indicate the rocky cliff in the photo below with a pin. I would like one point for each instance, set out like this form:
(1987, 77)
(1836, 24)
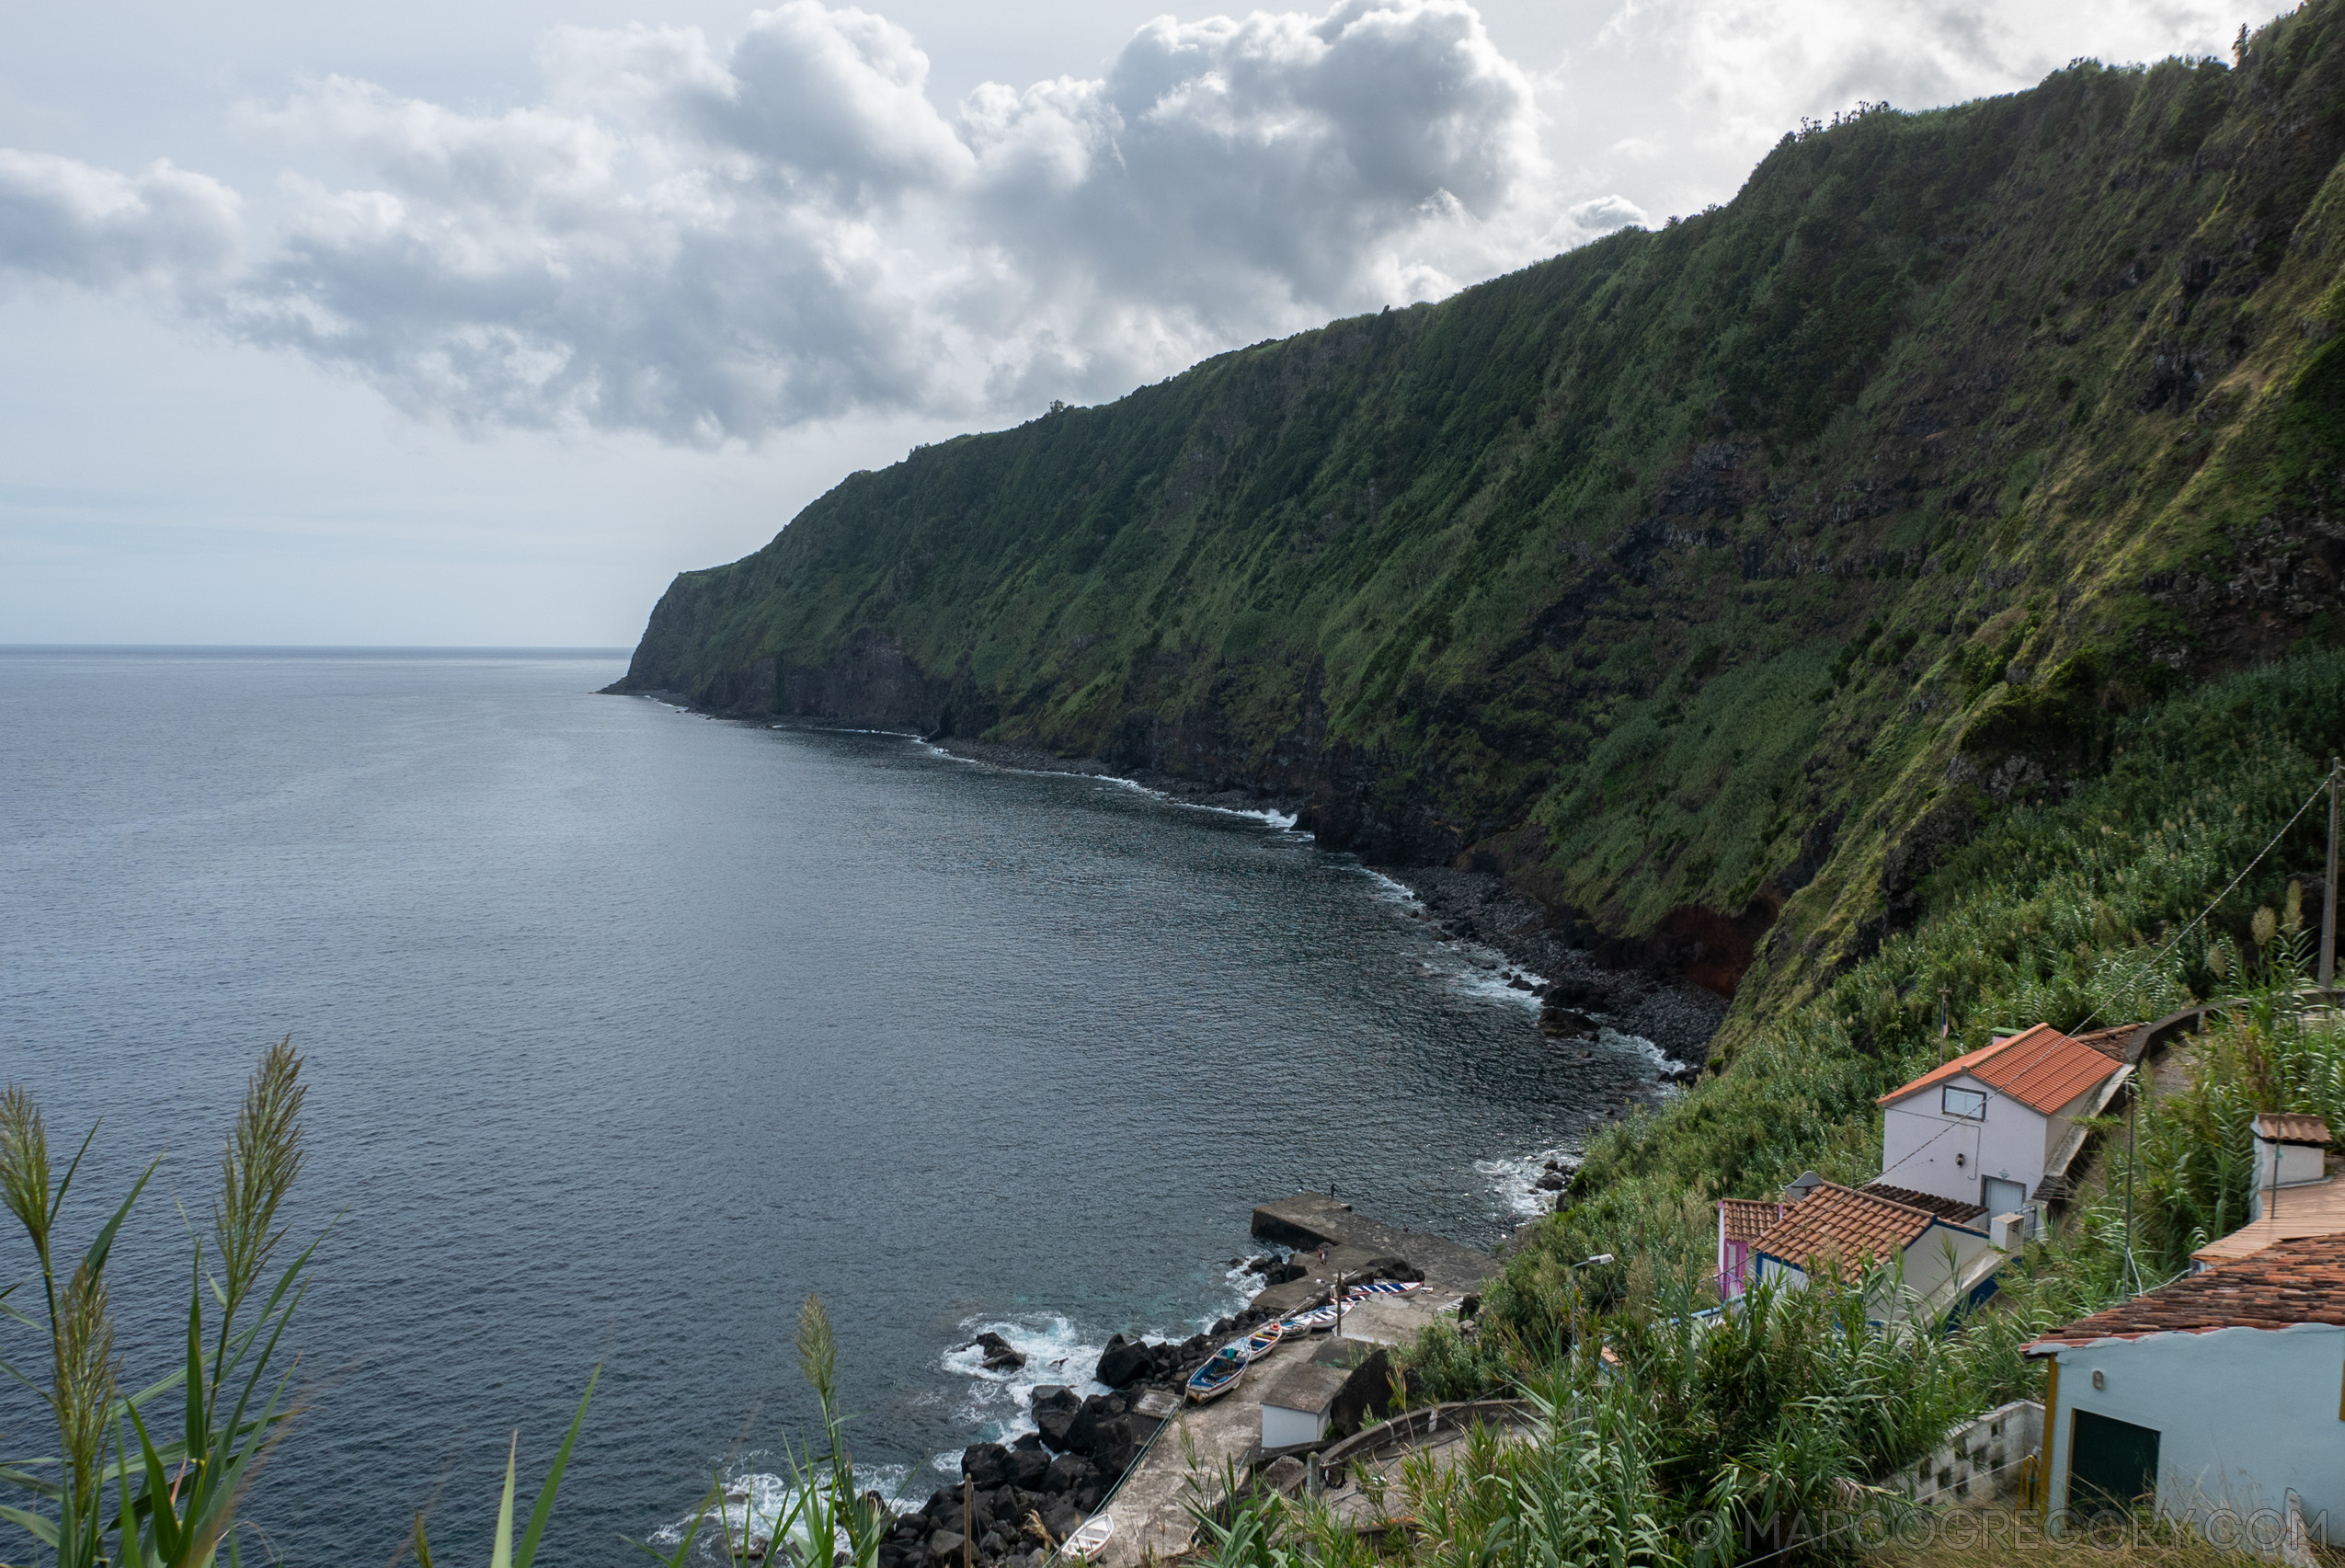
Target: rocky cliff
(1709, 584)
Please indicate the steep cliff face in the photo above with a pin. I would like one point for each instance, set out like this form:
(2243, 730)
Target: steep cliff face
(1713, 583)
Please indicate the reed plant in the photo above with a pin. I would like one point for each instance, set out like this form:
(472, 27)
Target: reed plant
(151, 1474)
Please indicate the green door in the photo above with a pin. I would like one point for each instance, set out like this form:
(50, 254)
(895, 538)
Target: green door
(2112, 1464)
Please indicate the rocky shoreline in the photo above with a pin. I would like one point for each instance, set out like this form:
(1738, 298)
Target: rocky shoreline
(1018, 1501)
(1613, 985)
(1651, 999)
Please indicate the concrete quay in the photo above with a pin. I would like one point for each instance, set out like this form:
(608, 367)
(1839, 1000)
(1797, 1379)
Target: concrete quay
(1196, 1450)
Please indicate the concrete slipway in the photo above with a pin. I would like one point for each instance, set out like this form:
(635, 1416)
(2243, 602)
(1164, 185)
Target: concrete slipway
(1151, 1509)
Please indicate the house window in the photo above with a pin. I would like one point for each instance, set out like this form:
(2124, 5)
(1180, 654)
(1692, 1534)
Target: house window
(1968, 1103)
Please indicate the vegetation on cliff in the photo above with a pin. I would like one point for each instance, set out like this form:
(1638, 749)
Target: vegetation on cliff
(1709, 581)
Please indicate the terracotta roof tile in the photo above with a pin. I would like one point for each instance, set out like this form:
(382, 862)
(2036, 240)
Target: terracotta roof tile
(2114, 1043)
(2288, 1282)
(2289, 1128)
(2040, 1068)
(1955, 1209)
(2316, 1208)
(1746, 1218)
(1845, 1226)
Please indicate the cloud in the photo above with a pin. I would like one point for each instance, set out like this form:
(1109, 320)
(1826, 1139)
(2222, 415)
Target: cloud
(1750, 69)
(711, 243)
(61, 219)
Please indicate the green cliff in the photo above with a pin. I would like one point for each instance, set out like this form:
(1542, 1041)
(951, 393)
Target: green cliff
(1715, 584)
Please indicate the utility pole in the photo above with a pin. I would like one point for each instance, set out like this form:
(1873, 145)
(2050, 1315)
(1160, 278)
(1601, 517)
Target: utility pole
(2133, 1277)
(2328, 889)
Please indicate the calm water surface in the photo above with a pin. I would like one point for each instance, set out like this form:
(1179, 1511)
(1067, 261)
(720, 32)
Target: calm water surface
(626, 1029)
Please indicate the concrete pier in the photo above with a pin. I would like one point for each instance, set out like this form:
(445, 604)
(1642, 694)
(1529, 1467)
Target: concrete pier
(1152, 1507)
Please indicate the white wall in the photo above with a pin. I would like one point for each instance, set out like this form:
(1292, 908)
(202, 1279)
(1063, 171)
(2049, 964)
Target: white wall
(1938, 1257)
(2243, 1416)
(1283, 1428)
(1919, 1143)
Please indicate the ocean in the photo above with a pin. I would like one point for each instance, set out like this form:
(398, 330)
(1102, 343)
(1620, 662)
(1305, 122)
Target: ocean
(626, 1029)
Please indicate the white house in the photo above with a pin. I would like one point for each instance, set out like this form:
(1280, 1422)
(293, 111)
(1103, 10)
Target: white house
(2220, 1398)
(1990, 1125)
(1851, 1229)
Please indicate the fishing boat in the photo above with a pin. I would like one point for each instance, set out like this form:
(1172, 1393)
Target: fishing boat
(1263, 1340)
(1091, 1536)
(1219, 1375)
(1384, 1288)
(1314, 1322)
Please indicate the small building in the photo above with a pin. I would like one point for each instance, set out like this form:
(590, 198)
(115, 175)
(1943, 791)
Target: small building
(1997, 1125)
(1741, 1222)
(1326, 1394)
(2290, 1152)
(2297, 1194)
(1850, 1229)
(2219, 1399)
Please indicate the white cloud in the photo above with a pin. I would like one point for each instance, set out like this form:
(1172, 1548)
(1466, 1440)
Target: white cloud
(66, 220)
(715, 241)
(710, 243)
(1749, 69)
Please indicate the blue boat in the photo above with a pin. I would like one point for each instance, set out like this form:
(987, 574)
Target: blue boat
(1218, 1375)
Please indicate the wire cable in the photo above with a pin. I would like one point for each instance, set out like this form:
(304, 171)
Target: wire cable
(2227, 890)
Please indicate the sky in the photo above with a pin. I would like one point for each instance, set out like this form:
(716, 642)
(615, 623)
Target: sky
(445, 324)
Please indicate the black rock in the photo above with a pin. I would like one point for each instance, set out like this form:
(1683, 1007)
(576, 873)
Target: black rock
(986, 1464)
(1082, 1432)
(1224, 1326)
(1123, 1362)
(1061, 1519)
(945, 1545)
(1000, 1355)
(1030, 1442)
(1087, 1499)
(1028, 1465)
(1055, 1408)
(1068, 1472)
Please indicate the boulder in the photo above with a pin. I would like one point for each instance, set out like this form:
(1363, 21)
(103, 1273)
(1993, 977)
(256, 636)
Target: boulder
(1027, 1467)
(1116, 1444)
(1068, 1472)
(1062, 1520)
(1123, 1362)
(986, 1464)
(1564, 1023)
(945, 1545)
(1054, 1409)
(1000, 1355)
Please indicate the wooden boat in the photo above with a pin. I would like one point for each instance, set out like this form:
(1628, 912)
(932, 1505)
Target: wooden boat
(1091, 1536)
(1384, 1288)
(1219, 1375)
(1317, 1319)
(1263, 1340)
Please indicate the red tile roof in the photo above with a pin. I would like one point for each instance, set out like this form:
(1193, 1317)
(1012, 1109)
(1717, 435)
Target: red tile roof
(2288, 1282)
(2289, 1128)
(1955, 1209)
(1746, 1218)
(2040, 1068)
(2110, 1042)
(1845, 1226)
